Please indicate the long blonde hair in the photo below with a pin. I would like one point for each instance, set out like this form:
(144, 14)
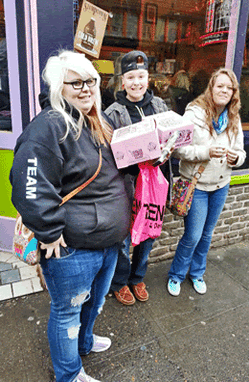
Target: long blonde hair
(54, 74)
(206, 102)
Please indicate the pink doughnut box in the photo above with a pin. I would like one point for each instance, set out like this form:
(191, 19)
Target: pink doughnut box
(169, 121)
(135, 143)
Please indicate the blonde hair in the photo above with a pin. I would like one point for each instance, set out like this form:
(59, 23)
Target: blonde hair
(54, 75)
(206, 102)
(180, 80)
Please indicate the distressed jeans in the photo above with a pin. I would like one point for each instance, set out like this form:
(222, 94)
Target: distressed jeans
(77, 283)
(128, 272)
(192, 250)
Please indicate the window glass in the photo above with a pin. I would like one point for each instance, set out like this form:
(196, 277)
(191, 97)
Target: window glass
(115, 25)
(160, 30)
(132, 20)
(5, 112)
(185, 41)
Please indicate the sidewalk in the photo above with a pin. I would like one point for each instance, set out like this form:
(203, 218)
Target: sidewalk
(16, 278)
(190, 338)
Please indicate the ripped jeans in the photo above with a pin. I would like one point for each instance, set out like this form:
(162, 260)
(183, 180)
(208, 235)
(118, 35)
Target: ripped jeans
(77, 284)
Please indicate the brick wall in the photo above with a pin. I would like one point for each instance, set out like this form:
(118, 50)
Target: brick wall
(232, 226)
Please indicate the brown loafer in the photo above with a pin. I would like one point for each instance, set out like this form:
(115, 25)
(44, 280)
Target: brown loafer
(125, 296)
(140, 292)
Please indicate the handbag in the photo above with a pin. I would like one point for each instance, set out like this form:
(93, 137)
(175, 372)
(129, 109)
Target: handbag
(182, 193)
(25, 246)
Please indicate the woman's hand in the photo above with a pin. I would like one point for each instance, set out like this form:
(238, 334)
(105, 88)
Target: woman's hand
(54, 247)
(217, 151)
(232, 157)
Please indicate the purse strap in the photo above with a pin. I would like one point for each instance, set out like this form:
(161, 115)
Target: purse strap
(198, 173)
(193, 183)
(85, 184)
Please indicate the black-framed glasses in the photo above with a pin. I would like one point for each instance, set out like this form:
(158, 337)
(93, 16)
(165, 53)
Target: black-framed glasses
(79, 84)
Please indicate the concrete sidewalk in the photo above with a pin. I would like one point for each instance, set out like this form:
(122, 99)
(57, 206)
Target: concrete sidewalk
(190, 338)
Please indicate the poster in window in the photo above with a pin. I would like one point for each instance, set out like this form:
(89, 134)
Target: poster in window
(151, 13)
(91, 29)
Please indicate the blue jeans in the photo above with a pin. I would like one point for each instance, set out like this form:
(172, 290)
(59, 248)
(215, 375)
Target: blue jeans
(77, 284)
(192, 250)
(127, 272)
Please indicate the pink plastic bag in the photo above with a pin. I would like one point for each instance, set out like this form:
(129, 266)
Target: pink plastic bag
(149, 203)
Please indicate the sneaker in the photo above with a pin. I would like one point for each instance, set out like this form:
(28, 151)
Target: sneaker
(83, 377)
(174, 287)
(125, 296)
(199, 285)
(100, 343)
(140, 292)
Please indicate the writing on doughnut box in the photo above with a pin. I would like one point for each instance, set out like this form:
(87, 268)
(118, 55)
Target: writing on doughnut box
(135, 143)
(141, 141)
(168, 122)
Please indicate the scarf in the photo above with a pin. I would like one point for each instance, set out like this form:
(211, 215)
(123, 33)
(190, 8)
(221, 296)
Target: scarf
(222, 123)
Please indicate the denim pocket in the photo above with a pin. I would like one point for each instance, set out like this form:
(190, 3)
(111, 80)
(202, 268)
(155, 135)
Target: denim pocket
(65, 252)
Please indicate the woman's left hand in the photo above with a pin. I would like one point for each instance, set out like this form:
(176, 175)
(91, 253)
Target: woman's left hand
(232, 157)
(53, 247)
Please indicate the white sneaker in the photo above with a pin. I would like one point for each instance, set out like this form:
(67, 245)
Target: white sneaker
(90, 379)
(174, 287)
(83, 377)
(199, 285)
(100, 343)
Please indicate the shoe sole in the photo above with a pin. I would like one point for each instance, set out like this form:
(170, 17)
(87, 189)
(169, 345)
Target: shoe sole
(140, 298)
(197, 291)
(125, 302)
(100, 350)
(173, 294)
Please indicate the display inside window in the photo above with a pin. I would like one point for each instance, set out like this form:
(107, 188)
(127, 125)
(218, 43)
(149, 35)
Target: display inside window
(185, 41)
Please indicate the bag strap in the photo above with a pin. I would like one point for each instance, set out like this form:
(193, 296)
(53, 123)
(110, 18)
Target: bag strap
(85, 184)
(198, 173)
(193, 183)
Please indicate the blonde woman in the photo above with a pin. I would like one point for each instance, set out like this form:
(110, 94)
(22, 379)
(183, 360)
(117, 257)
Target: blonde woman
(56, 153)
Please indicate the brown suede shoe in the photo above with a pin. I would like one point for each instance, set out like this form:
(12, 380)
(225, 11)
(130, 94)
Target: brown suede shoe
(125, 296)
(140, 292)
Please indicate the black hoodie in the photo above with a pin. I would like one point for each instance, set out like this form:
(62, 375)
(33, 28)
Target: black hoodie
(136, 108)
(45, 169)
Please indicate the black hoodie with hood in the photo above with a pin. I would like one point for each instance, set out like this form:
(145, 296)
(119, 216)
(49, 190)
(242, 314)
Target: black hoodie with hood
(46, 168)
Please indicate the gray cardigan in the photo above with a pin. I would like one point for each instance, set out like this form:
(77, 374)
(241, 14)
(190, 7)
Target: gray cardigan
(119, 115)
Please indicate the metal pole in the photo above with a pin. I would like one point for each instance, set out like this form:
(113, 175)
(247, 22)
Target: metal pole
(237, 36)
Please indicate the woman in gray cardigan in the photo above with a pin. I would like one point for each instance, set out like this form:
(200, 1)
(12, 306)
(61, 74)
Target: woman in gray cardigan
(132, 104)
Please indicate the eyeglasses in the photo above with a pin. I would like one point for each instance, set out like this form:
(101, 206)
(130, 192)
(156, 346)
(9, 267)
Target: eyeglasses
(79, 84)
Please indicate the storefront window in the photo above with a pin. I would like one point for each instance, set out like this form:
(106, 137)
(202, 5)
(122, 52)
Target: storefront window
(5, 113)
(185, 41)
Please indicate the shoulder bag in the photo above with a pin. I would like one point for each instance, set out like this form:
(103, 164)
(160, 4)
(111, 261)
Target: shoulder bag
(182, 193)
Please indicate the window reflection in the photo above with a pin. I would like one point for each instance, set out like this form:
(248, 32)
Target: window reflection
(5, 114)
(185, 41)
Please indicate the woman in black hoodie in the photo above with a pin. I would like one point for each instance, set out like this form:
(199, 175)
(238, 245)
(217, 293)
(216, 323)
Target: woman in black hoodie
(132, 105)
(56, 153)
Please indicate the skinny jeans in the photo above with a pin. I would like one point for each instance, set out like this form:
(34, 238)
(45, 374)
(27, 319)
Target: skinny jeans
(199, 224)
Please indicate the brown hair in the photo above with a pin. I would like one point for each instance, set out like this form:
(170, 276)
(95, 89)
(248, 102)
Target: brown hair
(101, 132)
(206, 102)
